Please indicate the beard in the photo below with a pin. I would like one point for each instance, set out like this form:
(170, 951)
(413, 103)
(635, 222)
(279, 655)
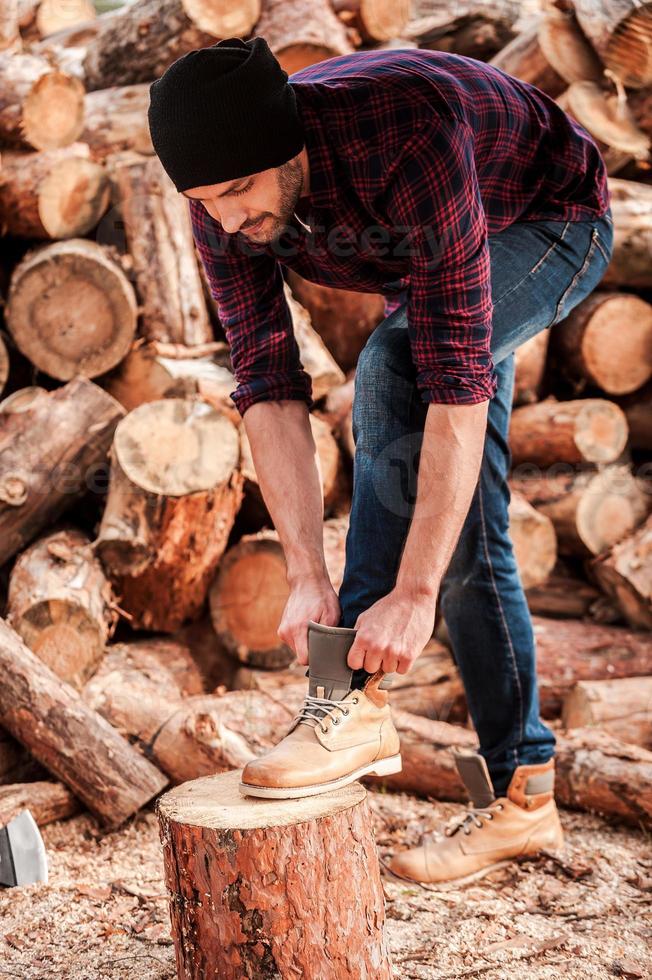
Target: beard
(290, 178)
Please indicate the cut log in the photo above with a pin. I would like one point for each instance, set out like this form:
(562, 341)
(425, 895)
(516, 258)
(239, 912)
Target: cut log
(534, 539)
(638, 409)
(146, 376)
(68, 48)
(203, 645)
(115, 121)
(343, 319)
(9, 27)
(374, 20)
(52, 194)
(302, 32)
(46, 802)
(137, 43)
(607, 117)
(530, 365)
(336, 412)
(22, 400)
(52, 15)
(523, 58)
(175, 489)
(631, 204)
(590, 511)
(621, 33)
(290, 888)
(479, 33)
(60, 604)
(588, 430)
(620, 707)
(565, 47)
(571, 597)
(159, 238)
(40, 106)
(607, 341)
(315, 356)
(48, 454)
(625, 573)
(569, 651)
(329, 458)
(62, 338)
(250, 591)
(73, 742)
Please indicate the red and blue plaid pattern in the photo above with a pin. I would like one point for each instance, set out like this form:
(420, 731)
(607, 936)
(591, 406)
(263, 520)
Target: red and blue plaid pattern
(415, 157)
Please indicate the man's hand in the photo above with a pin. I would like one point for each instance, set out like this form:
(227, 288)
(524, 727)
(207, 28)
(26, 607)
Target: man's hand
(309, 599)
(393, 632)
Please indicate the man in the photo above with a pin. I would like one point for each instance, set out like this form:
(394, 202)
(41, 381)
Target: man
(481, 211)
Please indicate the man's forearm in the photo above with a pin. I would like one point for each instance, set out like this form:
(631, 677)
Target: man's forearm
(287, 467)
(451, 453)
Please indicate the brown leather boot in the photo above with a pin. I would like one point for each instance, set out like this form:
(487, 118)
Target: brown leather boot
(494, 831)
(339, 734)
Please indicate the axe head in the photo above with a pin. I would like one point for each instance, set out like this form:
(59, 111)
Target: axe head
(22, 852)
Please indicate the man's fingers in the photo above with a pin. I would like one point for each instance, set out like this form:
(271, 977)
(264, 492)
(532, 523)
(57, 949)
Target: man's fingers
(356, 655)
(301, 644)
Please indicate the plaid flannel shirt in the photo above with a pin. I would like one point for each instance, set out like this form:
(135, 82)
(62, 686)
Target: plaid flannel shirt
(415, 157)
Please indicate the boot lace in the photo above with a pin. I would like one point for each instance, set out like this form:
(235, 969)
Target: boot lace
(474, 817)
(316, 710)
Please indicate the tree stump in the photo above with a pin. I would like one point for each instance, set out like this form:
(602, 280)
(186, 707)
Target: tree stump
(587, 430)
(159, 239)
(42, 475)
(174, 492)
(52, 194)
(607, 341)
(71, 309)
(40, 106)
(279, 890)
(60, 603)
(302, 32)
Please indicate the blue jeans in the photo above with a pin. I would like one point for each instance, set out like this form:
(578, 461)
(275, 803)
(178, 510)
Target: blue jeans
(539, 272)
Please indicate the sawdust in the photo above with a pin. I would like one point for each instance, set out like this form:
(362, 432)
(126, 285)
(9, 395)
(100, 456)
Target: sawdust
(103, 915)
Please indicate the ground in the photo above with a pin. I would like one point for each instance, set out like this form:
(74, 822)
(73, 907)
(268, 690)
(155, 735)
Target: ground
(103, 915)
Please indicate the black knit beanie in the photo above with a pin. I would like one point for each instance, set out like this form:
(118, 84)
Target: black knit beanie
(224, 112)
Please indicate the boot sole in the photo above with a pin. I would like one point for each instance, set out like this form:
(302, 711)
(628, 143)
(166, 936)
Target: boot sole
(382, 767)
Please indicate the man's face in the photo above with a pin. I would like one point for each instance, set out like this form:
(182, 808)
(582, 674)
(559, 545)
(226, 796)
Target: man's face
(269, 197)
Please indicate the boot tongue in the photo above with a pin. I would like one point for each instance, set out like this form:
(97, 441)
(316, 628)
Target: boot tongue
(329, 676)
(475, 776)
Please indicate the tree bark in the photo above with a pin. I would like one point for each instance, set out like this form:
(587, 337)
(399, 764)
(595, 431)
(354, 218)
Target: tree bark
(301, 880)
(73, 742)
(607, 341)
(249, 593)
(630, 265)
(115, 121)
(46, 802)
(625, 573)
(60, 604)
(139, 42)
(621, 33)
(591, 511)
(159, 238)
(52, 194)
(534, 539)
(174, 492)
(620, 707)
(41, 107)
(55, 291)
(302, 32)
(588, 430)
(41, 477)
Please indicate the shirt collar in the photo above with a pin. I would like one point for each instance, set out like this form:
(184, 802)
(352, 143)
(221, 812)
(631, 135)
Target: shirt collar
(323, 168)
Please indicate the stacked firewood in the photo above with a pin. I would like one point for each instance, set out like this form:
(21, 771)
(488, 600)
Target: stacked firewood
(141, 580)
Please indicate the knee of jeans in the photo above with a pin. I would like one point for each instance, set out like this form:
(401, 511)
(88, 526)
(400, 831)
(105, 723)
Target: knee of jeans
(380, 382)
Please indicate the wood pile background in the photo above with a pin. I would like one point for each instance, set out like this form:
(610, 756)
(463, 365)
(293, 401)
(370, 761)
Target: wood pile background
(141, 583)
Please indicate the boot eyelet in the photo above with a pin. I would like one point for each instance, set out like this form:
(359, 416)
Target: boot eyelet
(345, 711)
(324, 730)
(336, 721)
(355, 700)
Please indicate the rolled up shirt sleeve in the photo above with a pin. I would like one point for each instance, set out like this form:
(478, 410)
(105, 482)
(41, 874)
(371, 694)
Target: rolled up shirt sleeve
(248, 288)
(434, 196)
